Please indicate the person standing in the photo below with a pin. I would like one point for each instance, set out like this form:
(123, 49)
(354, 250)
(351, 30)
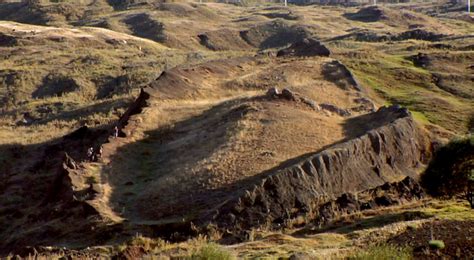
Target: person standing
(116, 131)
(90, 153)
(98, 156)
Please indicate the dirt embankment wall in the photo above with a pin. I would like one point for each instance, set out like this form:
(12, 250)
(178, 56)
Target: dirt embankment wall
(388, 153)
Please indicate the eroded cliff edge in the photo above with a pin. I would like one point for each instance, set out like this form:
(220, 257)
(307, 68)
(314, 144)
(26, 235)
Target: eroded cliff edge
(397, 148)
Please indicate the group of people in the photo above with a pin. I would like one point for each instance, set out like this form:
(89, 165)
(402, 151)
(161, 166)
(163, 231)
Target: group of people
(96, 155)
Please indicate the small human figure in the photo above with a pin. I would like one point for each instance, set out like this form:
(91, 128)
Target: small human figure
(98, 156)
(90, 153)
(115, 132)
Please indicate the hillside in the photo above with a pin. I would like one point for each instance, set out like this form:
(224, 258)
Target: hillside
(302, 128)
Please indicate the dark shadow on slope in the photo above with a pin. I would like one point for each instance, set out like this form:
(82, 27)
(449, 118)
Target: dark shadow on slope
(29, 174)
(56, 85)
(277, 33)
(360, 125)
(367, 14)
(22, 13)
(143, 25)
(47, 113)
(165, 149)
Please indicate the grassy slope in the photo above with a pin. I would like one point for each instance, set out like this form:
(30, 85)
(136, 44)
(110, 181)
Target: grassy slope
(395, 79)
(382, 67)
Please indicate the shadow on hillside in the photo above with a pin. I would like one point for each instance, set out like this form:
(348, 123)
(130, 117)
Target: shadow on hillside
(59, 111)
(29, 174)
(360, 125)
(23, 13)
(367, 14)
(144, 163)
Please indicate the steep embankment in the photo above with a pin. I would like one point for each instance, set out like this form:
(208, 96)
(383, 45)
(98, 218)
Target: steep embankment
(388, 153)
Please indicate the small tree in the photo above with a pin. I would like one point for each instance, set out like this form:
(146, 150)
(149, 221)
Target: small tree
(451, 171)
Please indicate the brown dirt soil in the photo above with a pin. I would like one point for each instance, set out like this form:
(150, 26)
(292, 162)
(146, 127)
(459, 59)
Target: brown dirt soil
(456, 235)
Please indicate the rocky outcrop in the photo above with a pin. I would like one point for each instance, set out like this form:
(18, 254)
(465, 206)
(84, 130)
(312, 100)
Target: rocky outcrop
(135, 108)
(388, 194)
(286, 94)
(371, 36)
(205, 41)
(392, 151)
(307, 47)
(419, 34)
(334, 109)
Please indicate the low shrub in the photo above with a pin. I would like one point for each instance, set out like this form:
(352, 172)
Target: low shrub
(436, 244)
(451, 171)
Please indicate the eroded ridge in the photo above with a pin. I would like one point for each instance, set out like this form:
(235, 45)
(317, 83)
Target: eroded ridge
(388, 153)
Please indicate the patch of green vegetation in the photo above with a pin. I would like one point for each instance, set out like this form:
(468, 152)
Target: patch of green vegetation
(436, 244)
(420, 117)
(450, 210)
(384, 252)
(398, 81)
(212, 251)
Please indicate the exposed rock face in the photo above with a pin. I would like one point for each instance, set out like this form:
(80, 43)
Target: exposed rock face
(387, 153)
(307, 47)
(133, 109)
(384, 195)
(419, 34)
(371, 36)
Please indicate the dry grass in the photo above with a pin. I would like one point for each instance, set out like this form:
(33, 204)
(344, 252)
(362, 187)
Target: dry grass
(195, 139)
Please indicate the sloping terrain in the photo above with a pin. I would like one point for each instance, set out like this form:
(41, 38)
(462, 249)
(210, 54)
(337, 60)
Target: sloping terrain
(231, 120)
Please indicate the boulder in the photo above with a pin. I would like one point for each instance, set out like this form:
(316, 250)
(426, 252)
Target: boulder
(273, 92)
(335, 109)
(287, 94)
(307, 47)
